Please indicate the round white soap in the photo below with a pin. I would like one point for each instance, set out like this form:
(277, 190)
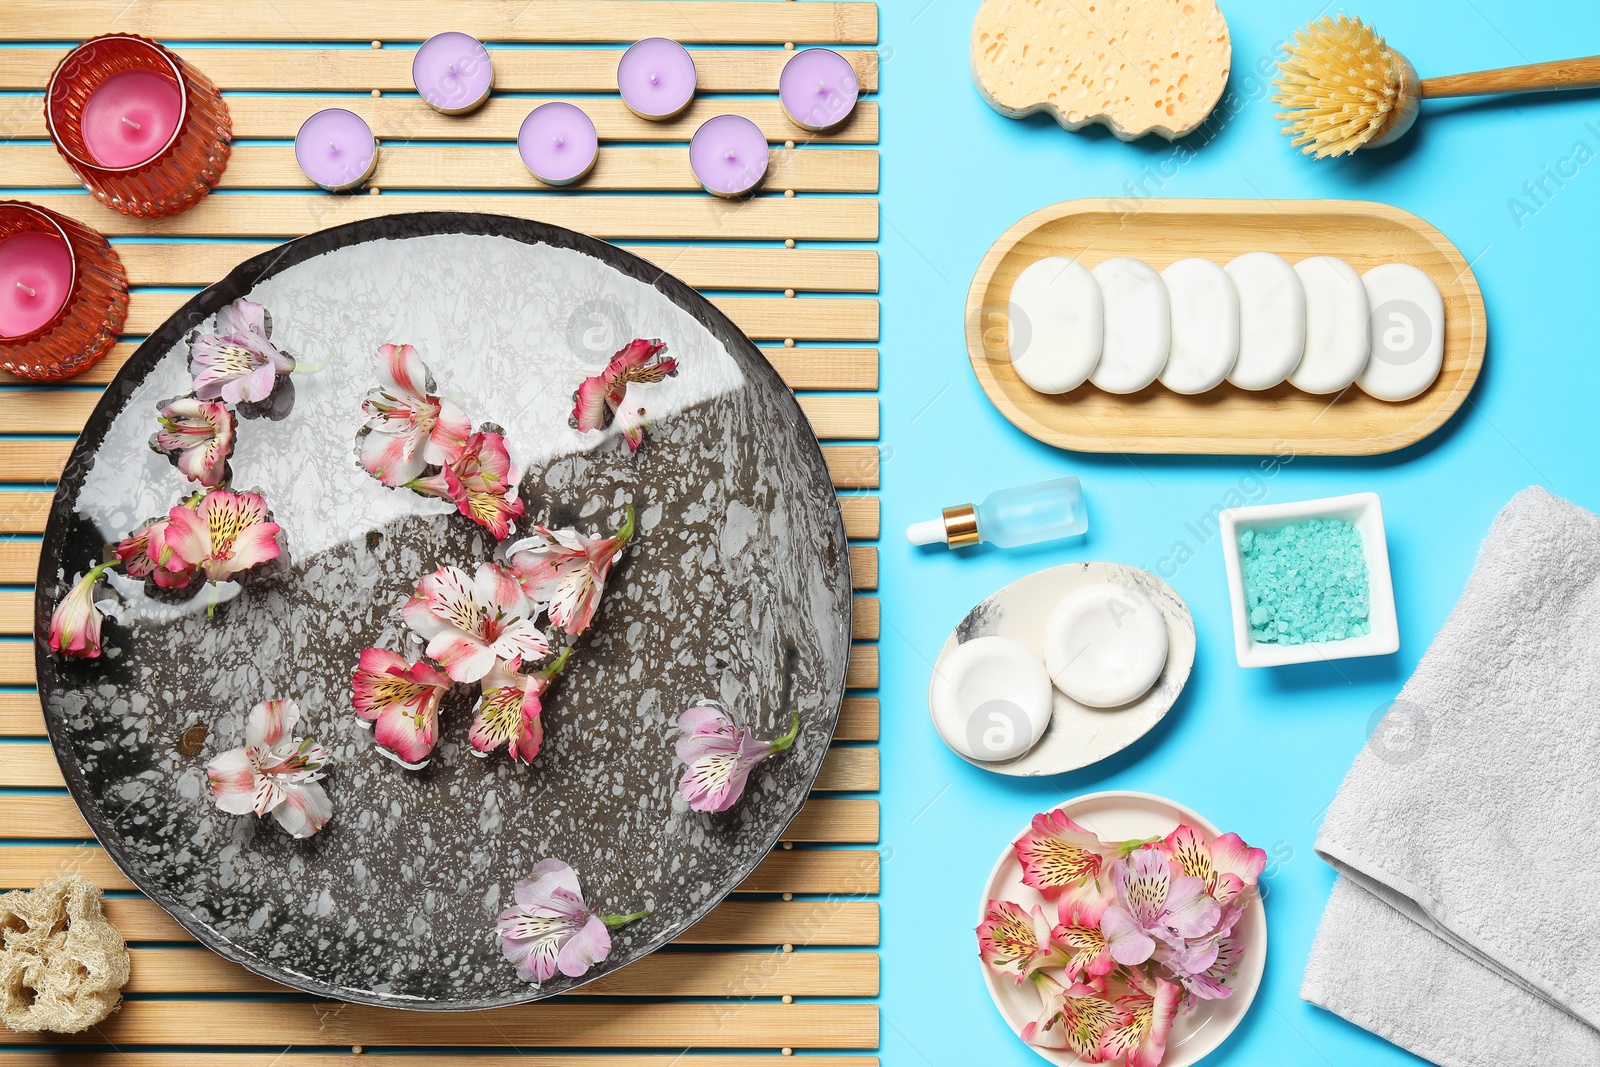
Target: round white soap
(1272, 320)
(1205, 326)
(1138, 326)
(991, 699)
(1407, 332)
(1055, 325)
(1338, 326)
(1105, 645)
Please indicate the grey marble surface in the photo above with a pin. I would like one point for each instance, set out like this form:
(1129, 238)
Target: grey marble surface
(736, 588)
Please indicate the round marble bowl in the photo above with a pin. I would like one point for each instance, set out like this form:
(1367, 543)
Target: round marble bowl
(737, 588)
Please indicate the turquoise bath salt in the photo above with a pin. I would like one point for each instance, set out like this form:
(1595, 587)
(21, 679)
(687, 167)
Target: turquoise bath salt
(1305, 582)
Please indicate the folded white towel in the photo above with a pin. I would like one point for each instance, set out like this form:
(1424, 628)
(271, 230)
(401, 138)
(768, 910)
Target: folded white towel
(1467, 829)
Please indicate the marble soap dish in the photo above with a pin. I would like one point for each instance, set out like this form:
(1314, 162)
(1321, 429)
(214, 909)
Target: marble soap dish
(1365, 513)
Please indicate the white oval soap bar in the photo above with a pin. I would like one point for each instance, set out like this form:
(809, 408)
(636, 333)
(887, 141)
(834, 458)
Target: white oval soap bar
(1205, 326)
(1272, 320)
(1105, 645)
(1055, 325)
(1407, 332)
(1138, 326)
(990, 698)
(1338, 326)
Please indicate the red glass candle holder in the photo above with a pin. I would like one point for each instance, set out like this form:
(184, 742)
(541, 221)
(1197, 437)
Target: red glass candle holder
(91, 317)
(183, 170)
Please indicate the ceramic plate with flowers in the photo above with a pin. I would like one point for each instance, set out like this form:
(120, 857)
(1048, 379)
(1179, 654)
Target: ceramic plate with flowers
(1123, 1004)
(491, 553)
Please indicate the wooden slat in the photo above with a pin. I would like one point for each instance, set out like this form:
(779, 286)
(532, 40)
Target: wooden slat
(858, 720)
(863, 576)
(16, 665)
(126, 1058)
(850, 466)
(666, 217)
(574, 70)
(489, 20)
(862, 672)
(24, 511)
(20, 715)
(19, 560)
(399, 118)
(761, 318)
(800, 870)
(862, 516)
(16, 612)
(736, 921)
(487, 167)
(66, 411)
(864, 625)
(554, 1024)
(699, 974)
(32, 816)
(33, 765)
(707, 266)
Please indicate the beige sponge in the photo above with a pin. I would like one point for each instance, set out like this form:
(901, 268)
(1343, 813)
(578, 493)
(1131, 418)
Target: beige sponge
(62, 963)
(1136, 66)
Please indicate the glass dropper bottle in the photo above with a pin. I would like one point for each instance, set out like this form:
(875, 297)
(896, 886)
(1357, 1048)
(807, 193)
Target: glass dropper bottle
(1010, 518)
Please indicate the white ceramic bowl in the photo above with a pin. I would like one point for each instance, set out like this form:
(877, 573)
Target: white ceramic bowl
(1117, 816)
(1365, 513)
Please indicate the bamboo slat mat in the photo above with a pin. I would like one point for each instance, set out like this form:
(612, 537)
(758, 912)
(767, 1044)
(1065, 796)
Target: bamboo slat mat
(788, 963)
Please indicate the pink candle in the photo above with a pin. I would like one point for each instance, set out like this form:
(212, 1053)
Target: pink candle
(656, 78)
(131, 118)
(729, 155)
(558, 143)
(35, 281)
(818, 88)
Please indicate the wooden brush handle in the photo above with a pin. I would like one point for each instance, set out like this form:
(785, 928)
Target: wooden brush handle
(1533, 78)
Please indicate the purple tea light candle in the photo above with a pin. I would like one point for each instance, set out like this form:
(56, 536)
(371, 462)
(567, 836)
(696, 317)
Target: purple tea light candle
(453, 72)
(558, 143)
(657, 79)
(729, 155)
(818, 89)
(336, 149)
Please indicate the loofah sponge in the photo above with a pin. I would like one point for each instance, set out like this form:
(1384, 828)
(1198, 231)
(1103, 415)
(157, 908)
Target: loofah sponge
(62, 963)
(1136, 66)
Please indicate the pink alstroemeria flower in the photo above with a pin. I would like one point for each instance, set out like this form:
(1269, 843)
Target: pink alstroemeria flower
(75, 624)
(1142, 1036)
(224, 534)
(1155, 905)
(720, 755)
(1227, 865)
(198, 435)
(273, 772)
(470, 621)
(408, 427)
(401, 702)
(481, 483)
(1057, 854)
(238, 364)
(551, 929)
(1077, 931)
(509, 707)
(599, 398)
(566, 572)
(1074, 1017)
(145, 553)
(1016, 942)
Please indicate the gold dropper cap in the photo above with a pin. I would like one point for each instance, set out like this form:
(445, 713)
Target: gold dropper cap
(961, 526)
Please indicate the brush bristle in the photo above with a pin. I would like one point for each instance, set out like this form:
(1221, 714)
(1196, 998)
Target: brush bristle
(1337, 86)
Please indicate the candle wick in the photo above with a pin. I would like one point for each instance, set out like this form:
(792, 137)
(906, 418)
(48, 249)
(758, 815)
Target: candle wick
(822, 86)
(558, 141)
(27, 289)
(730, 155)
(654, 80)
(130, 122)
(332, 147)
(451, 67)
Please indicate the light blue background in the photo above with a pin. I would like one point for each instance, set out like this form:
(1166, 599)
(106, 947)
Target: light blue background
(1259, 752)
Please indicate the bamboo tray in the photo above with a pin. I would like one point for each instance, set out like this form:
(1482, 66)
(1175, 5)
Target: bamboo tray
(1227, 420)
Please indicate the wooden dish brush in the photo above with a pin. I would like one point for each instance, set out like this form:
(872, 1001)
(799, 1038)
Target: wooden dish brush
(1343, 88)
